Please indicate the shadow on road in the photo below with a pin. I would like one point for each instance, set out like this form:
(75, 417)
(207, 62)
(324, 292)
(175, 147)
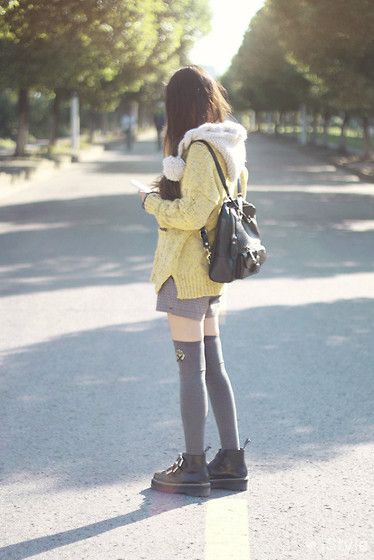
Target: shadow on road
(73, 406)
(110, 240)
(74, 243)
(76, 402)
(153, 504)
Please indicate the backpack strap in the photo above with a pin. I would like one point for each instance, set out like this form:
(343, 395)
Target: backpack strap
(203, 231)
(219, 168)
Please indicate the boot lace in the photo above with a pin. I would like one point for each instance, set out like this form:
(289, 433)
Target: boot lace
(179, 462)
(176, 465)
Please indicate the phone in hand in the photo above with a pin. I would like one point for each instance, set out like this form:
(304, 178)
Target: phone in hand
(140, 186)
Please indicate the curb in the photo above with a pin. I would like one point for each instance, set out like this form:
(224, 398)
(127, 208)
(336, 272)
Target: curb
(16, 171)
(22, 175)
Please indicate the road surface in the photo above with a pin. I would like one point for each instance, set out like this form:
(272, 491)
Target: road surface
(89, 406)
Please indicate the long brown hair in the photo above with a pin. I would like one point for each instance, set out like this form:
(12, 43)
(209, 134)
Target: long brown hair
(192, 97)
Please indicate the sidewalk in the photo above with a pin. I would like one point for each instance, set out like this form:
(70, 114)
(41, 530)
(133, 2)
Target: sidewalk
(350, 162)
(16, 173)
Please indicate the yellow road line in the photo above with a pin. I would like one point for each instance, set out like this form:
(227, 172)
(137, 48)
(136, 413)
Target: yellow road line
(226, 529)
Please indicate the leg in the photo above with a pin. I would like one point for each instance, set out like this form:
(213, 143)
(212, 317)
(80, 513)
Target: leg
(189, 348)
(219, 386)
(184, 328)
(211, 325)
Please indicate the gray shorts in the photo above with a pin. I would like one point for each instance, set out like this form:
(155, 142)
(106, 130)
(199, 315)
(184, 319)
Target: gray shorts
(195, 308)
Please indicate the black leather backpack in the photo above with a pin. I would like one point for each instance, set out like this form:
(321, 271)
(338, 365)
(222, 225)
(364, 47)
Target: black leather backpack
(237, 250)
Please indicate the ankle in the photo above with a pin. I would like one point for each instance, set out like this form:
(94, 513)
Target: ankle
(200, 454)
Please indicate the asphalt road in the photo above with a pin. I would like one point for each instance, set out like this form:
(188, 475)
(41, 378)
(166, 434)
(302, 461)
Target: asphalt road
(89, 384)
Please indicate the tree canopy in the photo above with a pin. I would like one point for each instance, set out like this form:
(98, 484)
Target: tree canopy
(97, 48)
(260, 75)
(333, 43)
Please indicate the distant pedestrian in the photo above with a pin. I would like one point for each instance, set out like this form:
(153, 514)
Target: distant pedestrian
(128, 125)
(159, 122)
(186, 197)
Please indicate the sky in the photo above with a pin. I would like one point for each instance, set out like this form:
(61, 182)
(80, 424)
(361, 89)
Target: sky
(230, 19)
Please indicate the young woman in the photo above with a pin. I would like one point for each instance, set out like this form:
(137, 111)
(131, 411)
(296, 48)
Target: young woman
(187, 197)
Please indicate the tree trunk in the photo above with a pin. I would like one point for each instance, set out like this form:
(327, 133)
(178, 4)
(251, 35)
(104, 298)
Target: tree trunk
(55, 119)
(104, 124)
(313, 137)
(258, 121)
(277, 121)
(325, 134)
(368, 147)
(92, 121)
(295, 125)
(342, 149)
(303, 136)
(23, 121)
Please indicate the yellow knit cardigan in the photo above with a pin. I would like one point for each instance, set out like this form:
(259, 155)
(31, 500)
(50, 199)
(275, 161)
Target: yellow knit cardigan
(179, 250)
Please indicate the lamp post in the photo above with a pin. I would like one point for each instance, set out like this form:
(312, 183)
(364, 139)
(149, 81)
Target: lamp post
(74, 127)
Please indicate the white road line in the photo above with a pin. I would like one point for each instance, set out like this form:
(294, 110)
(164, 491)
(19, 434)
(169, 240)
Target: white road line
(226, 529)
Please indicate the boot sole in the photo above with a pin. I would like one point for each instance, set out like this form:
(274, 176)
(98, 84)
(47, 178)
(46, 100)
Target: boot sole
(240, 484)
(189, 489)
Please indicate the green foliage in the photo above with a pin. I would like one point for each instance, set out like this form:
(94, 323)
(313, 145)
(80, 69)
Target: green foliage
(179, 24)
(8, 115)
(40, 104)
(333, 43)
(260, 76)
(77, 45)
(100, 49)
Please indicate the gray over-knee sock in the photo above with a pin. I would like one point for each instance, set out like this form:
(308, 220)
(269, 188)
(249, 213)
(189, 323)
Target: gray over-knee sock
(193, 393)
(220, 393)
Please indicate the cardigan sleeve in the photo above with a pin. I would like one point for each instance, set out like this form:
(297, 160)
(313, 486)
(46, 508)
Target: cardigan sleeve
(244, 182)
(199, 191)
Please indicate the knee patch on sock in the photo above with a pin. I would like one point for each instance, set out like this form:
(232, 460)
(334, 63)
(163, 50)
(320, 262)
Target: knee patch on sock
(190, 355)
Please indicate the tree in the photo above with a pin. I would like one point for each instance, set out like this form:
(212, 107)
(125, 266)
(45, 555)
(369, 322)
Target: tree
(333, 42)
(260, 76)
(179, 25)
(98, 49)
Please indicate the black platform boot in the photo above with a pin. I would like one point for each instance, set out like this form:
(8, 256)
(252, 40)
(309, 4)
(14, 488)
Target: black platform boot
(228, 469)
(188, 475)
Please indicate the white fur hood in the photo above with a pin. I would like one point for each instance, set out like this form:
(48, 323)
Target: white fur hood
(227, 136)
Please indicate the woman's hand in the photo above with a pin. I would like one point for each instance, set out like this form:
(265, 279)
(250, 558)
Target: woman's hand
(142, 195)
